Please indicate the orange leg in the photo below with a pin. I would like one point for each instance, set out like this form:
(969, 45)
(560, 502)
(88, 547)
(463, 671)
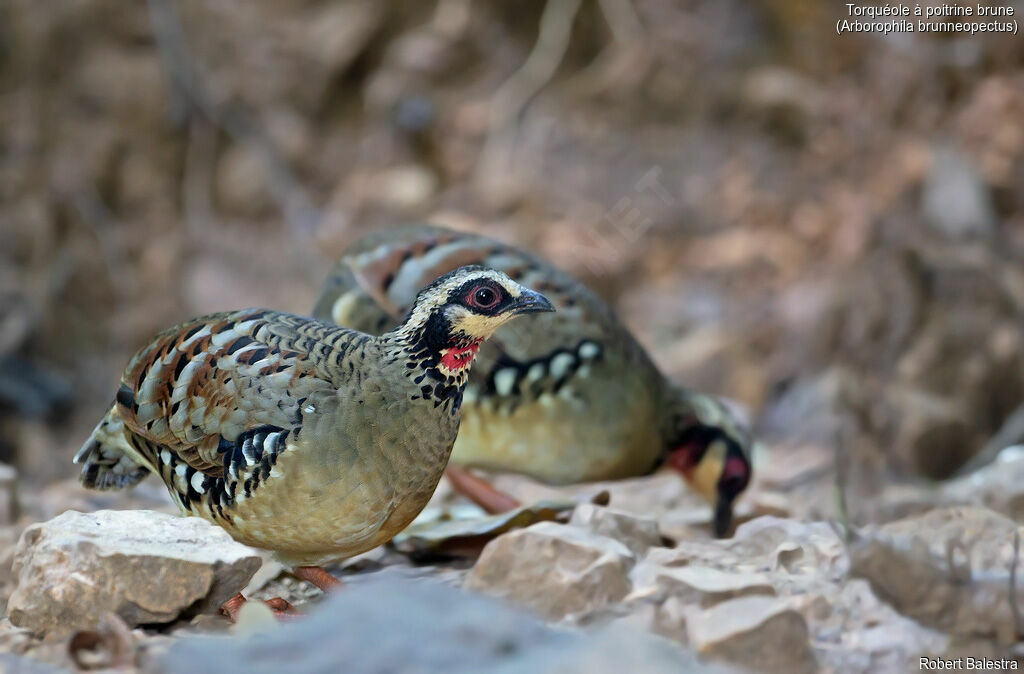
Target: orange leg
(480, 491)
(318, 577)
(281, 608)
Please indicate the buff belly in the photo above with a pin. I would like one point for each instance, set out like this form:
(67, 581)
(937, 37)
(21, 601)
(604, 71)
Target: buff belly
(559, 438)
(312, 513)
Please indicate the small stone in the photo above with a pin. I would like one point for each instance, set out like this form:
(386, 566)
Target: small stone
(555, 570)
(635, 532)
(765, 634)
(798, 548)
(144, 566)
(701, 585)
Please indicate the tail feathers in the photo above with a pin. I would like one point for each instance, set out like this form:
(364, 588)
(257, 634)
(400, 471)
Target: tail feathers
(107, 458)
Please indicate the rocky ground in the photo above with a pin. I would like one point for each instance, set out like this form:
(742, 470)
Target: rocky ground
(826, 230)
(635, 583)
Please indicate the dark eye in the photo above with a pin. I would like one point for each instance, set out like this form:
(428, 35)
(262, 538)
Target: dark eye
(483, 297)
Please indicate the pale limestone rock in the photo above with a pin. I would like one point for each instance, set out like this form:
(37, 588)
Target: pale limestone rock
(805, 563)
(146, 567)
(651, 496)
(802, 550)
(948, 568)
(667, 619)
(797, 548)
(635, 532)
(762, 633)
(998, 485)
(555, 570)
(854, 631)
(696, 584)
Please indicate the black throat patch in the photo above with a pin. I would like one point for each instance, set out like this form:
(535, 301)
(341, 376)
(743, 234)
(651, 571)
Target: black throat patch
(423, 362)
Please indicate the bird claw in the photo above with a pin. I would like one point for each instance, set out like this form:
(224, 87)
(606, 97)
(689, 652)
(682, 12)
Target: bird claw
(280, 607)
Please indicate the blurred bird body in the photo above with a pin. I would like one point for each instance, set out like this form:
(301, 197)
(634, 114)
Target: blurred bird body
(313, 441)
(564, 398)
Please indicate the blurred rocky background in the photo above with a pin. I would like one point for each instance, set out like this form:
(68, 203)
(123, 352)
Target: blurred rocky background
(827, 230)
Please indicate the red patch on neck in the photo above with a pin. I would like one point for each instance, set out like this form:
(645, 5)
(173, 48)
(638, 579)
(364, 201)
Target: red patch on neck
(457, 357)
(737, 470)
(685, 458)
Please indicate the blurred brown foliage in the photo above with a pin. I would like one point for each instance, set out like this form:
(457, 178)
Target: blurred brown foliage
(827, 229)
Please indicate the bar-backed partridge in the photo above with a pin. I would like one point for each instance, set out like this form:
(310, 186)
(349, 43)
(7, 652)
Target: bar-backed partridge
(564, 398)
(297, 436)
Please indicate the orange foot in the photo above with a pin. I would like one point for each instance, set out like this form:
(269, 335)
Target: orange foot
(480, 491)
(281, 608)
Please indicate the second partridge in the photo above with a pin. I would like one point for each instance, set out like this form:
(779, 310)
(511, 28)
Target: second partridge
(564, 398)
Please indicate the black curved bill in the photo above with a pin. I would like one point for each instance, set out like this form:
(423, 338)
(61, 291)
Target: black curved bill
(530, 302)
